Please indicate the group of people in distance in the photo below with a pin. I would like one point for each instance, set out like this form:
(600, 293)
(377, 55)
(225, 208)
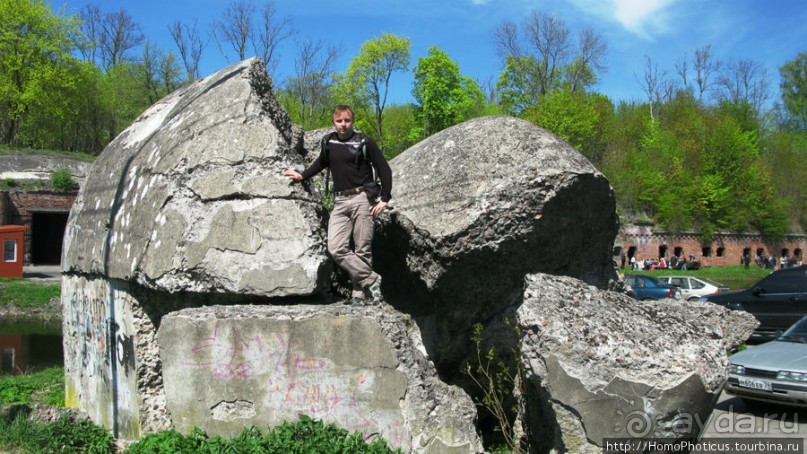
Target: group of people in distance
(661, 263)
(770, 262)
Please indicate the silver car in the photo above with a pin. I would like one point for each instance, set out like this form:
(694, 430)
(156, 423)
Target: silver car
(693, 288)
(773, 372)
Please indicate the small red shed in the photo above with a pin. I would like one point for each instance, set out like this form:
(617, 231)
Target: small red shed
(12, 239)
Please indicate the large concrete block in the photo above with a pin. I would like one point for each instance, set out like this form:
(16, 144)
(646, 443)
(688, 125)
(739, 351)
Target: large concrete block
(227, 368)
(480, 205)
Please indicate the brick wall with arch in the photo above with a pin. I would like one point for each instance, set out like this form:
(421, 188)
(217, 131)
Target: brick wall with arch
(724, 249)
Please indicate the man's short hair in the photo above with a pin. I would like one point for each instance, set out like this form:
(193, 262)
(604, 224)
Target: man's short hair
(342, 108)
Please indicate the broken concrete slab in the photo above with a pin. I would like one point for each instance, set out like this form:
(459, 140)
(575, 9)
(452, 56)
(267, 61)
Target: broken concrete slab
(599, 364)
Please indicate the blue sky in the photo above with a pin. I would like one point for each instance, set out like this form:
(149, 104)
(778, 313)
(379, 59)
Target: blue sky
(768, 32)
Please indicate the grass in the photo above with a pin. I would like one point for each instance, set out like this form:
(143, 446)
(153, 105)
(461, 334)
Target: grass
(45, 387)
(28, 293)
(734, 277)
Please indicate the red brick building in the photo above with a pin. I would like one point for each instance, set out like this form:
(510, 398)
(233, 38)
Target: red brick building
(644, 242)
(44, 213)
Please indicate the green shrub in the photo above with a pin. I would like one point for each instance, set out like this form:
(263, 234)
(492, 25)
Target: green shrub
(67, 434)
(62, 180)
(8, 183)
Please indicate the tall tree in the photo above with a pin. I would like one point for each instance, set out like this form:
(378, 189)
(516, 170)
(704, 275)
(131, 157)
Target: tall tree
(518, 86)
(582, 72)
(91, 20)
(542, 58)
(37, 71)
(149, 71)
(656, 85)
(569, 114)
(794, 90)
(444, 97)
(368, 75)
(705, 67)
(237, 30)
(786, 158)
(744, 80)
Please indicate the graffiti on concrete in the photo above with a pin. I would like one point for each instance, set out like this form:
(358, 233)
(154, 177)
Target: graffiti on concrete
(292, 382)
(100, 356)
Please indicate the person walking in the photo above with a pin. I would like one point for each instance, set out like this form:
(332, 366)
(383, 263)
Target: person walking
(353, 209)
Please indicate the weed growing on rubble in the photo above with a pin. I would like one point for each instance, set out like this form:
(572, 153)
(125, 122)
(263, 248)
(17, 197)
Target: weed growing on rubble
(496, 382)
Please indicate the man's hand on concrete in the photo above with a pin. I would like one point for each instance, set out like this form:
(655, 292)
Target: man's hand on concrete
(293, 174)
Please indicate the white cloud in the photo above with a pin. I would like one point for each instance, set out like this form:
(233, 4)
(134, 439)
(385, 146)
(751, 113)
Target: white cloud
(645, 18)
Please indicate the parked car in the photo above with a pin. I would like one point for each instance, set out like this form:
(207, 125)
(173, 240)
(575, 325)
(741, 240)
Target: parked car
(773, 372)
(693, 288)
(643, 287)
(777, 301)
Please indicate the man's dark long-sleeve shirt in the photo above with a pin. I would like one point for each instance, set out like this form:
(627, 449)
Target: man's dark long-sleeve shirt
(347, 171)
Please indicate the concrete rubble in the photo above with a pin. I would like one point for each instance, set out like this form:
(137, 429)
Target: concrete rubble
(197, 291)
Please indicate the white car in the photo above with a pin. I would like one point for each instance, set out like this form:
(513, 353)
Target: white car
(693, 288)
(773, 372)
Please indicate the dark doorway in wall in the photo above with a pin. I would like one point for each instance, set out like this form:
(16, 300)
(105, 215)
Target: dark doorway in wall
(47, 232)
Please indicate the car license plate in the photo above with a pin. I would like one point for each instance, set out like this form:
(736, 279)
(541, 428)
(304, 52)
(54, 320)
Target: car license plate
(755, 384)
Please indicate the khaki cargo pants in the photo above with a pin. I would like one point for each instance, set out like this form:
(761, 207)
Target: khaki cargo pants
(351, 218)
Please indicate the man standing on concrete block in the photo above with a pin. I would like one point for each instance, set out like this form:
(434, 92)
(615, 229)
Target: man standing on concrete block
(354, 159)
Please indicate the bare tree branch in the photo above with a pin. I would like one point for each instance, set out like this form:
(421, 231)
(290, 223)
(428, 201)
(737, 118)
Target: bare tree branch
(119, 34)
(744, 80)
(505, 37)
(270, 34)
(549, 36)
(705, 67)
(235, 28)
(312, 82)
(91, 19)
(190, 45)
